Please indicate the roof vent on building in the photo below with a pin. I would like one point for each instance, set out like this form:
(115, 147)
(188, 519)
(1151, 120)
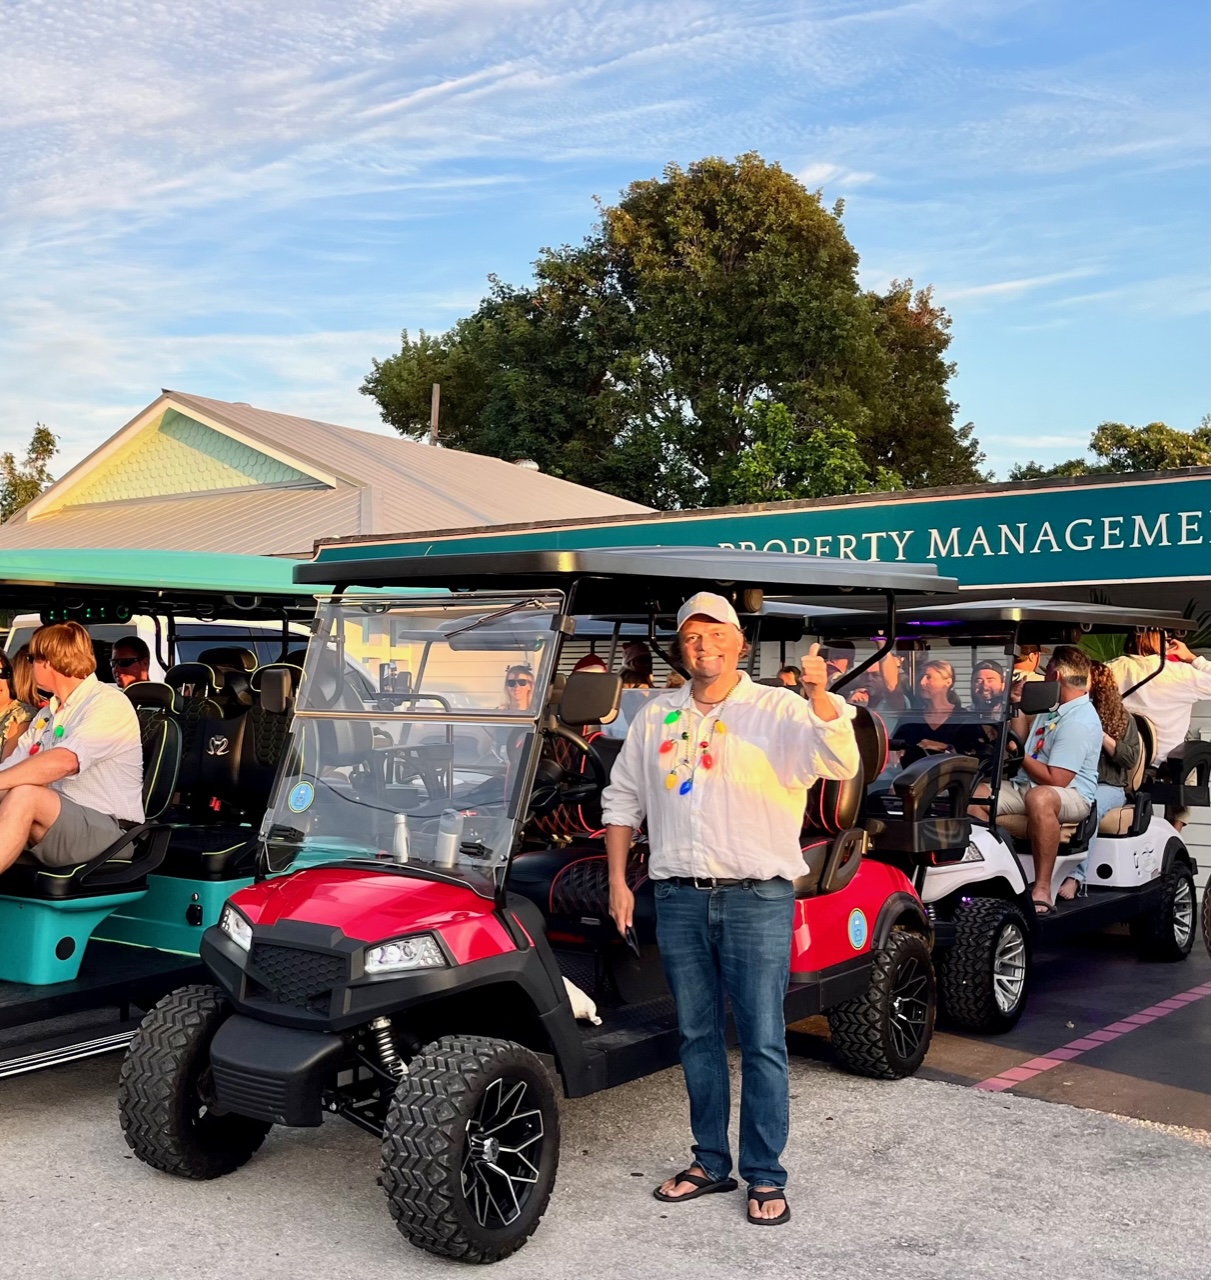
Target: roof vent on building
(526, 464)
(242, 403)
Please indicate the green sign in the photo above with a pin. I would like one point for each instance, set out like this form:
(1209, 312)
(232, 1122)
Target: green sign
(1003, 536)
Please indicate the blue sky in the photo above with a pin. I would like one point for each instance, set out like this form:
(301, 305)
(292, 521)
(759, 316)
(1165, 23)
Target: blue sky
(249, 200)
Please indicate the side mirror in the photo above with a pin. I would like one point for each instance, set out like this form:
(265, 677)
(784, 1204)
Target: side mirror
(1039, 695)
(590, 697)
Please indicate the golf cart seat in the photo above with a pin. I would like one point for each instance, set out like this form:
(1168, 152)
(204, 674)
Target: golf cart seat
(833, 839)
(240, 778)
(1075, 837)
(1133, 817)
(229, 658)
(1183, 779)
(140, 849)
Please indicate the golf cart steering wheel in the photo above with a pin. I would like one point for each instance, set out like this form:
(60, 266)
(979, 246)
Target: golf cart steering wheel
(600, 777)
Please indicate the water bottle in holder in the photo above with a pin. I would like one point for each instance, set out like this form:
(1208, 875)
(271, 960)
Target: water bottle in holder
(449, 838)
(399, 838)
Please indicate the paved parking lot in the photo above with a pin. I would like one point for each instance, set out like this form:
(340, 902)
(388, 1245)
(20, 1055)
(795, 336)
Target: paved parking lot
(930, 1177)
(916, 1179)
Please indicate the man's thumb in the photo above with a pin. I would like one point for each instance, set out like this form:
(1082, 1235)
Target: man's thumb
(813, 651)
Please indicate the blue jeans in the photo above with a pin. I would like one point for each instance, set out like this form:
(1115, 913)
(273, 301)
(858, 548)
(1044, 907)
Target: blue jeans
(732, 943)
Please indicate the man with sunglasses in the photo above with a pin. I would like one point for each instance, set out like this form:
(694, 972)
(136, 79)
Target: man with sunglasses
(74, 782)
(130, 661)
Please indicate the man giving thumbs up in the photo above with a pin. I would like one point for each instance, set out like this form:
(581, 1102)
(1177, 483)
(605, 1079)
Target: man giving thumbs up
(720, 768)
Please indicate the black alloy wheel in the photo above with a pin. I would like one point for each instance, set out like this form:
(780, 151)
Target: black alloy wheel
(165, 1097)
(885, 1032)
(471, 1147)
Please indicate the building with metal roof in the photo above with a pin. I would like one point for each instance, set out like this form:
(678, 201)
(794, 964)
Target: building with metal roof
(189, 473)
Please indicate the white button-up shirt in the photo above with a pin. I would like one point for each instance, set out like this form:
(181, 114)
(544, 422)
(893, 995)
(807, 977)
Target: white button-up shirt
(101, 728)
(742, 817)
(1167, 699)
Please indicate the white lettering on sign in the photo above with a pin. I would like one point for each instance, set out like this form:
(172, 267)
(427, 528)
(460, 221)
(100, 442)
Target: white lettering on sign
(1045, 534)
(1087, 539)
(948, 548)
(1161, 528)
(901, 541)
(979, 539)
(1081, 535)
(1189, 521)
(1115, 532)
(1018, 543)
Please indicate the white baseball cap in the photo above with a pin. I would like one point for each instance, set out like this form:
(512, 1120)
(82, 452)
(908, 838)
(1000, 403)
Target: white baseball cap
(707, 604)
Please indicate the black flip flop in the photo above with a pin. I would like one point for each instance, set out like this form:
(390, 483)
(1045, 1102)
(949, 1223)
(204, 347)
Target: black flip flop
(1044, 909)
(764, 1197)
(705, 1187)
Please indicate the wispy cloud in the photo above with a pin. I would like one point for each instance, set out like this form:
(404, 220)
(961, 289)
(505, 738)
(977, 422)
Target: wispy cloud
(251, 201)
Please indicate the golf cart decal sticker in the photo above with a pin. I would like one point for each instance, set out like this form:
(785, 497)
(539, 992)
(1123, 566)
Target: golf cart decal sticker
(218, 746)
(856, 928)
(300, 797)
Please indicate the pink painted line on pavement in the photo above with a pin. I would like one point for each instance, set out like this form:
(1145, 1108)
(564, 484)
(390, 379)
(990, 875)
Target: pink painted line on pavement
(1013, 1076)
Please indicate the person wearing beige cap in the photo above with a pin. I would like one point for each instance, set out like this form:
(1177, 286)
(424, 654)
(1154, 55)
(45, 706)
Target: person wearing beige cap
(720, 769)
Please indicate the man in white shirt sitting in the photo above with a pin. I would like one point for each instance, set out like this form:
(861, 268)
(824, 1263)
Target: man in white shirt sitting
(720, 769)
(75, 779)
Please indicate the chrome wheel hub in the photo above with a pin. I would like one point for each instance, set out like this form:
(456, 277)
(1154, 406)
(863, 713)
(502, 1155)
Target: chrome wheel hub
(503, 1155)
(1009, 968)
(1183, 912)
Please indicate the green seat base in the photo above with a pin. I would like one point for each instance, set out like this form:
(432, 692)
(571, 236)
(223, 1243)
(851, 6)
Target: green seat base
(173, 914)
(42, 941)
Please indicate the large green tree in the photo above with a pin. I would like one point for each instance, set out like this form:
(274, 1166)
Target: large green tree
(22, 481)
(648, 360)
(1118, 447)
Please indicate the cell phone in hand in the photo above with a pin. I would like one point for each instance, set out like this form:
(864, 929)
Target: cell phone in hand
(632, 939)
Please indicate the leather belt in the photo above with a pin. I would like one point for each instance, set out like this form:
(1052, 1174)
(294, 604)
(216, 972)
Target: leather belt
(712, 882)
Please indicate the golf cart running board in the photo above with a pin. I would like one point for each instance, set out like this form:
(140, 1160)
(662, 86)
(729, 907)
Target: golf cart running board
(1097, 909)
(54, 1051)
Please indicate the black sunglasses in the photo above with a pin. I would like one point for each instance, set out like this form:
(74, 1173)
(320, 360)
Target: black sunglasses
(522, 680)
(124, 662)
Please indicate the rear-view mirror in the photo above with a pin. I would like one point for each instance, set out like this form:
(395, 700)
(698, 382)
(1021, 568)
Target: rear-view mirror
(590, 697)
(1039, 695)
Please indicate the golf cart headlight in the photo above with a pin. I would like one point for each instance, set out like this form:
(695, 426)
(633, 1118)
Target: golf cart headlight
(420, 951)
(972, 855)
(235, 925)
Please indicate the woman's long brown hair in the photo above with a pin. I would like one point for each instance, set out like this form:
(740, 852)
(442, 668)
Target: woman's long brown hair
(1104, 694)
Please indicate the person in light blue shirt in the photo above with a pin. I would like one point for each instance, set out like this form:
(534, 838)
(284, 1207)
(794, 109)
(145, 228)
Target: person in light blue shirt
(1058, 782)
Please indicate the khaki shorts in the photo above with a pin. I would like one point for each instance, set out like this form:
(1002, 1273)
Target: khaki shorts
(76, 835)
(1073, 805)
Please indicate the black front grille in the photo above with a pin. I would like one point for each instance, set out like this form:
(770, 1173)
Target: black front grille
(291, 975)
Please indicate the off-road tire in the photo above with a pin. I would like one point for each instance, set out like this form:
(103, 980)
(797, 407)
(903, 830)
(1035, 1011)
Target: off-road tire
(426, 1141)
(1207, 915)
(966, 979)
(862, 1031)
(1153, 933)
(163, 1087)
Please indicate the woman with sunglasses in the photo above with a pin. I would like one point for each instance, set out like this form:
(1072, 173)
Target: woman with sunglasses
(519, 687)
(15, 712)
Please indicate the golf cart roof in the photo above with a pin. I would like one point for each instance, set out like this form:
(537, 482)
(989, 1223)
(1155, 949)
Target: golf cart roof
(1039, 614)
(149, 581)
(618, 579)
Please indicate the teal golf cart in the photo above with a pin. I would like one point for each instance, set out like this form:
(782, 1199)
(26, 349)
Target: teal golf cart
(98, 943)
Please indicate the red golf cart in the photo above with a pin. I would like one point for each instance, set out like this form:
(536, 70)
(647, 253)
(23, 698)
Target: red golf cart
(433, 890)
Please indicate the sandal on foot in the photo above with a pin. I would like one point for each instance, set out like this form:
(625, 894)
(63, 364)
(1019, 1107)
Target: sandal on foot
(764, 1197)
(1042, 909)
(702, 1187)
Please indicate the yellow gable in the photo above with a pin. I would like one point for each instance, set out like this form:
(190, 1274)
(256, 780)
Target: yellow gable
(176, 454)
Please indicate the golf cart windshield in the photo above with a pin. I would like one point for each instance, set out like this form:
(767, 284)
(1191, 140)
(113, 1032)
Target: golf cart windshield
(429, 769)
(937, 693)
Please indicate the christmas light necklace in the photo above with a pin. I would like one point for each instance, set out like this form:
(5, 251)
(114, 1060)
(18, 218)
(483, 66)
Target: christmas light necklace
(680, 776)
